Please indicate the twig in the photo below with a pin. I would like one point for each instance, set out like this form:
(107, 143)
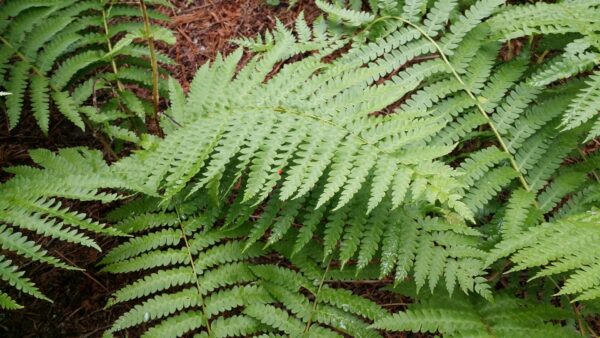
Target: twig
(154, 65)
(83, 271)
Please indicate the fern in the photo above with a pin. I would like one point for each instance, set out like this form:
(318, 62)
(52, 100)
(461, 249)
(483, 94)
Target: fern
(464, 317)
(300, 139)
(543, 18)
(537, 248)
(391, 146)
(30, 203)
(62, 52)
(216, 276)
(580, 55)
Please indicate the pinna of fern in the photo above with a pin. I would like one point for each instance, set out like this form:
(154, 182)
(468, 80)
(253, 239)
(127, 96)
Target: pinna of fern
(464, 316)
(580, 55)
(308, 149)
(207, 281)
(72, 54)
(32, 206)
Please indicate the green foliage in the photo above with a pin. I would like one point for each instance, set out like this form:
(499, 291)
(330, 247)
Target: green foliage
(461, 316)
(307, 152)
(538, 247)
(32, 207)
(73, 55)
(581, 54)
(206, 274)
(393, 147)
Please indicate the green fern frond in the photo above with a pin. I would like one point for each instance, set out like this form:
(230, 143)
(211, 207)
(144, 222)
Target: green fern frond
(580, 55)
(28, 201)
(302, 148)
(545, 18)
(537, 248)
(69, 44)
(214, 276)
(585, 106)
(462, 317)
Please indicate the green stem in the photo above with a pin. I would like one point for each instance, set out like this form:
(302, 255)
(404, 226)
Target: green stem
(316, 301)
(109, 46)
(193, 264)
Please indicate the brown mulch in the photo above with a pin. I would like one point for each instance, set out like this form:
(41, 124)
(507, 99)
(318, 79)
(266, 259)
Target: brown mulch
(205, 28)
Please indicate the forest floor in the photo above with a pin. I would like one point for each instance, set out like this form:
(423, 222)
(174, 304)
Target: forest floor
(203, 29)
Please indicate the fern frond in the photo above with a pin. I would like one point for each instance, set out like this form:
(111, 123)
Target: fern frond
(537, 248)
(462, 317)
(585, 106)
(309, 142)
(28, 201)
(68, 44)
(544, 18)
(217, 275)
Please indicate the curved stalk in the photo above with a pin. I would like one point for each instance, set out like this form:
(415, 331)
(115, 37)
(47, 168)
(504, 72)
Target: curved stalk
(489, 121)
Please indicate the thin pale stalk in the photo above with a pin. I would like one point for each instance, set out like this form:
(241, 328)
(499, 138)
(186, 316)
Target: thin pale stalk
(489, 121)
(193, 264)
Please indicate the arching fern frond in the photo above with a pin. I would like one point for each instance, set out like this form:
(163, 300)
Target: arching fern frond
(580, 55)
(308, 144)
(585, 107)
(537, 247)
(31, 207)
(545, 18)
